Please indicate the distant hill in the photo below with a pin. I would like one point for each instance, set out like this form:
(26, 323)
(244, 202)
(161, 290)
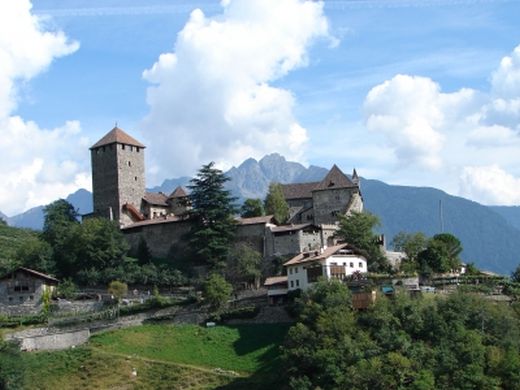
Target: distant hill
(33, 218)
(487, 237)
(510, 213)
(490, 235)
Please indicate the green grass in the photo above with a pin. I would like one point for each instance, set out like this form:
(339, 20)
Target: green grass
(85, 368)
(246, 348)
(165, 357)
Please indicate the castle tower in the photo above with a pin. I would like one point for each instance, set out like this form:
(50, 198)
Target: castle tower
(118, 181)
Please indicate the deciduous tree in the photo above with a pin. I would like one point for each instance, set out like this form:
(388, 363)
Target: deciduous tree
(275, 203)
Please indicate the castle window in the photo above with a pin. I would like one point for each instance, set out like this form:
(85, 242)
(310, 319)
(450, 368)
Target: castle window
(137, 149)
(129, 163)
(360, 265)
(131, 148)
(292, 283)
(123, 147)
(297, 282)
(135, 178)
(351, 265)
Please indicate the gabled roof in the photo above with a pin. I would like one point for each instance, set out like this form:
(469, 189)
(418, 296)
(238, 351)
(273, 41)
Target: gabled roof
(318, 255)
(298, 190)
(335, 179)
(256, 220)
(33, 273)
(116, 135)
(156, 199)
(275, 280)
(179, 192)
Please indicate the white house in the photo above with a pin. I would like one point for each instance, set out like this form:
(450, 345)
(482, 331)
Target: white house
(337, 262)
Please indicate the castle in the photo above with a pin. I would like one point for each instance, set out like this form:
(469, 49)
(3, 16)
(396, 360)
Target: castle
(161, 220)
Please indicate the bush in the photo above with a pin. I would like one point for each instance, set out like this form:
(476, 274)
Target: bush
(117, 289)
(245, 312)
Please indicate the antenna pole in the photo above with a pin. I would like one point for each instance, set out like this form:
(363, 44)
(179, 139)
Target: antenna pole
(441, 216)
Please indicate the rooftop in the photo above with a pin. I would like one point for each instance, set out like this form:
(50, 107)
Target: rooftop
(317, 255)
(156, 199)
(116, 135)
(36, 274)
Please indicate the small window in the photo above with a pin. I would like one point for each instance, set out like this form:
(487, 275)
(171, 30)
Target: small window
(21, 299)
(292, 283)
(131, 148)
(297, 282)
(137, 149)
(360, 264)
(135, 178)
(296, 270)
(351, 265)
(129, 163)
(10, 299)
(123, 147)
(31, 297)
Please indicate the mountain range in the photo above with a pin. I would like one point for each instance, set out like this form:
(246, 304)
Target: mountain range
(490, 235)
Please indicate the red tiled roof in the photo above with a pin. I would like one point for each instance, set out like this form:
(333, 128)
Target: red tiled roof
(116, 135)
(32, 272)
(156, 199)
(298, 190)
(179, 192)
(255, 220)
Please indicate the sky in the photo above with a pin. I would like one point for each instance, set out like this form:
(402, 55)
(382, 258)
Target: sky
(410, 92)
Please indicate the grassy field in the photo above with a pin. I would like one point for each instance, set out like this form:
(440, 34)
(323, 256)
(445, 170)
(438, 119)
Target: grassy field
(164, 357)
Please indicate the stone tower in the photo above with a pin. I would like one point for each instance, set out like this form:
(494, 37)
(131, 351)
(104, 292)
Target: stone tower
(118, 181)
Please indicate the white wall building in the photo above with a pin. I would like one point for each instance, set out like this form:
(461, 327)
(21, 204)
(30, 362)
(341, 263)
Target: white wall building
(338, 261)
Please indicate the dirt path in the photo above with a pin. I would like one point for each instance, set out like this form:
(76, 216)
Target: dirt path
(216, 371)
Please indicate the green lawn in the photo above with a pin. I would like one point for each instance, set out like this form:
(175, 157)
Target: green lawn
(165, 357)
(246, 348)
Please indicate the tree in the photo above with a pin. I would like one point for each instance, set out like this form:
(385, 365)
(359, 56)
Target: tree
(441, 254)
(217, 291)
(61, 231)
(117, 289)
(143, 252)
(252, 208)
(275, 203)
(244, 265)
(357, 230)
(102, 244)
(410, 243)
(515, 275)
(212, 213)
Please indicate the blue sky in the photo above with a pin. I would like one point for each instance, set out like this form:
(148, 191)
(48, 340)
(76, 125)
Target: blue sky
(415, 92)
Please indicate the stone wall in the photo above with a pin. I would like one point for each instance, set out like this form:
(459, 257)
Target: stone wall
(330, 203)
(46, 339)
(158, 236)
(117, 178)
(254, 235)
(130, 163)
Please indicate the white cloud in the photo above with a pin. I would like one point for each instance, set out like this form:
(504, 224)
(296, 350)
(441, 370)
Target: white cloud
(492, 136)
(37, 165)
(213, 99)
(412, 114)
(506, 79)
(490, 185)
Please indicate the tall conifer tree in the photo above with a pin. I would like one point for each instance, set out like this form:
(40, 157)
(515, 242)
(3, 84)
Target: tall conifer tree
(212, 213)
